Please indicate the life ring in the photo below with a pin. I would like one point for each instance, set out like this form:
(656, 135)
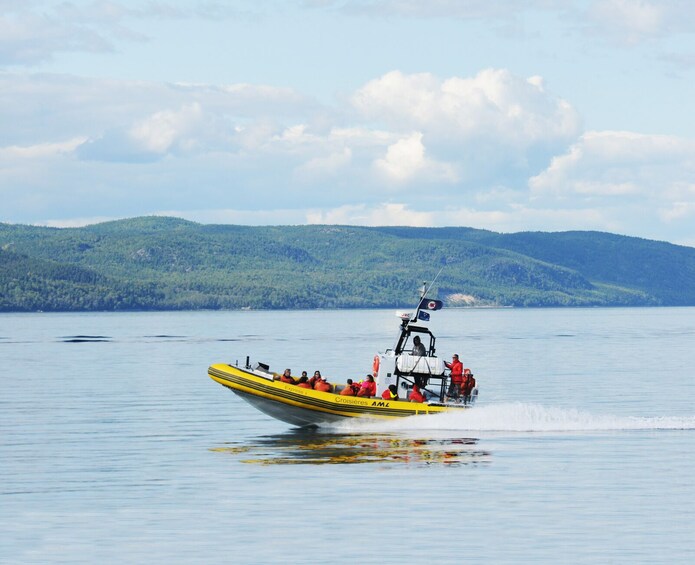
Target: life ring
(375, 366)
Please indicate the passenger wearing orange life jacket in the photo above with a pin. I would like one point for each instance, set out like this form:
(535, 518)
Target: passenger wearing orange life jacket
(322, 386)
(368, 387)
(468, 384)
(416, 395)
(287, 377)
(391, 393)
(350, 389)
(303, 383)
(315, 378)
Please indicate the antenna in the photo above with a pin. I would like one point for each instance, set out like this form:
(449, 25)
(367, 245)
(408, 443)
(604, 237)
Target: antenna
(425, 288)
(424, 292)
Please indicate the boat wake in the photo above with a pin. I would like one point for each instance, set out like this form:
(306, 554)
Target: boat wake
(519, 417)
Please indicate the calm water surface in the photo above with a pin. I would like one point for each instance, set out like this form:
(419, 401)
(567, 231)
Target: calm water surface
(116, 447)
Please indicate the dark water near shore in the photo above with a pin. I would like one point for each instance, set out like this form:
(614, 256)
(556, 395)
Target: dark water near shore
(116, 447)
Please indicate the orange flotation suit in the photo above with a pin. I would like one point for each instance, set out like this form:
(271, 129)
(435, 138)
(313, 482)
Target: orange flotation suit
(416, 395)
(322, 386)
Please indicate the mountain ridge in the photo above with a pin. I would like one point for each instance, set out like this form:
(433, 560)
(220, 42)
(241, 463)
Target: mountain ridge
(166, 263)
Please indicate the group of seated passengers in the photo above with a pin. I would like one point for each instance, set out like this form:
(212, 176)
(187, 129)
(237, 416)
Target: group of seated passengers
(365, 388)
(317, 382)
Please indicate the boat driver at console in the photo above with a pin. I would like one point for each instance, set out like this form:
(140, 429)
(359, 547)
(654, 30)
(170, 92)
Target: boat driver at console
(418, 347)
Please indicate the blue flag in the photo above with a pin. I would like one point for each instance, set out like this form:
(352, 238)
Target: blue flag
(429, 304)
(424, 316)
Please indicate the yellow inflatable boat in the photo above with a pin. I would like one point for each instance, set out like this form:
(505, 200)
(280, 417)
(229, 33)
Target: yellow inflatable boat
(411, 366)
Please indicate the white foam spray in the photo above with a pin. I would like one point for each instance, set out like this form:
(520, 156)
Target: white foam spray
(519, 417)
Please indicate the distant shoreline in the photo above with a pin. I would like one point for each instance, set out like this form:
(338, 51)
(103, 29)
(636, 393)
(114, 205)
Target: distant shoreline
(169, 264)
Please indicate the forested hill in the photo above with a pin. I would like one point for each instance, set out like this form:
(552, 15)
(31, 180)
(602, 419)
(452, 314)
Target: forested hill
(156, 263)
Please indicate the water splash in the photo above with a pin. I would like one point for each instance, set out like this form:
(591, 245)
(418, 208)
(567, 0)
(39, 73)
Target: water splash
(521, 417)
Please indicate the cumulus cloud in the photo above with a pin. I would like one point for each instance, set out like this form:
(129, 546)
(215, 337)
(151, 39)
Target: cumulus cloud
(636, 180)
(405, 161)
(493, 150)
(493, 103)
(618, 163)
(480, 130)
(152, 138)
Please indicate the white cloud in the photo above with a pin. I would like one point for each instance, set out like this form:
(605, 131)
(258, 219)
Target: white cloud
(160, 131)
(516, 218)
(460, 9)
(76, 222)
(405, 161)
(641, 184)
(678, 211)
(634, 20)
(493, 150)
(34, 31)
(488, 127)
(41, 150)
(384, 214)
(614, 163)
(166, 131)
(493, 103)
(263, 217)
(325, 166)
(31, 33)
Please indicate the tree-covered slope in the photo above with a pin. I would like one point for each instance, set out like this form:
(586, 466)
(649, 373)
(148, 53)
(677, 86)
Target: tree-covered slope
(29, 284)
(169, 263)
(661, 269)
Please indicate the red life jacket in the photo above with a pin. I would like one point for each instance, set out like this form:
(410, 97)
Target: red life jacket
(456, 371)
(468, 384)
(416, 395)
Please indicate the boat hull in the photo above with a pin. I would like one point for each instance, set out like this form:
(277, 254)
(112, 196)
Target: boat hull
(305, 407)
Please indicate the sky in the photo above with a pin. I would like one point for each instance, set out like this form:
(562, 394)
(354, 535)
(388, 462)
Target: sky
(505, 115)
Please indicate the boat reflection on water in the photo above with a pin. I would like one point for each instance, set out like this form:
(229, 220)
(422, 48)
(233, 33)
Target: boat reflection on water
(312, 447)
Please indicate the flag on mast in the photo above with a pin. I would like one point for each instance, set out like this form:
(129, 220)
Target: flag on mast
(430, 304)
